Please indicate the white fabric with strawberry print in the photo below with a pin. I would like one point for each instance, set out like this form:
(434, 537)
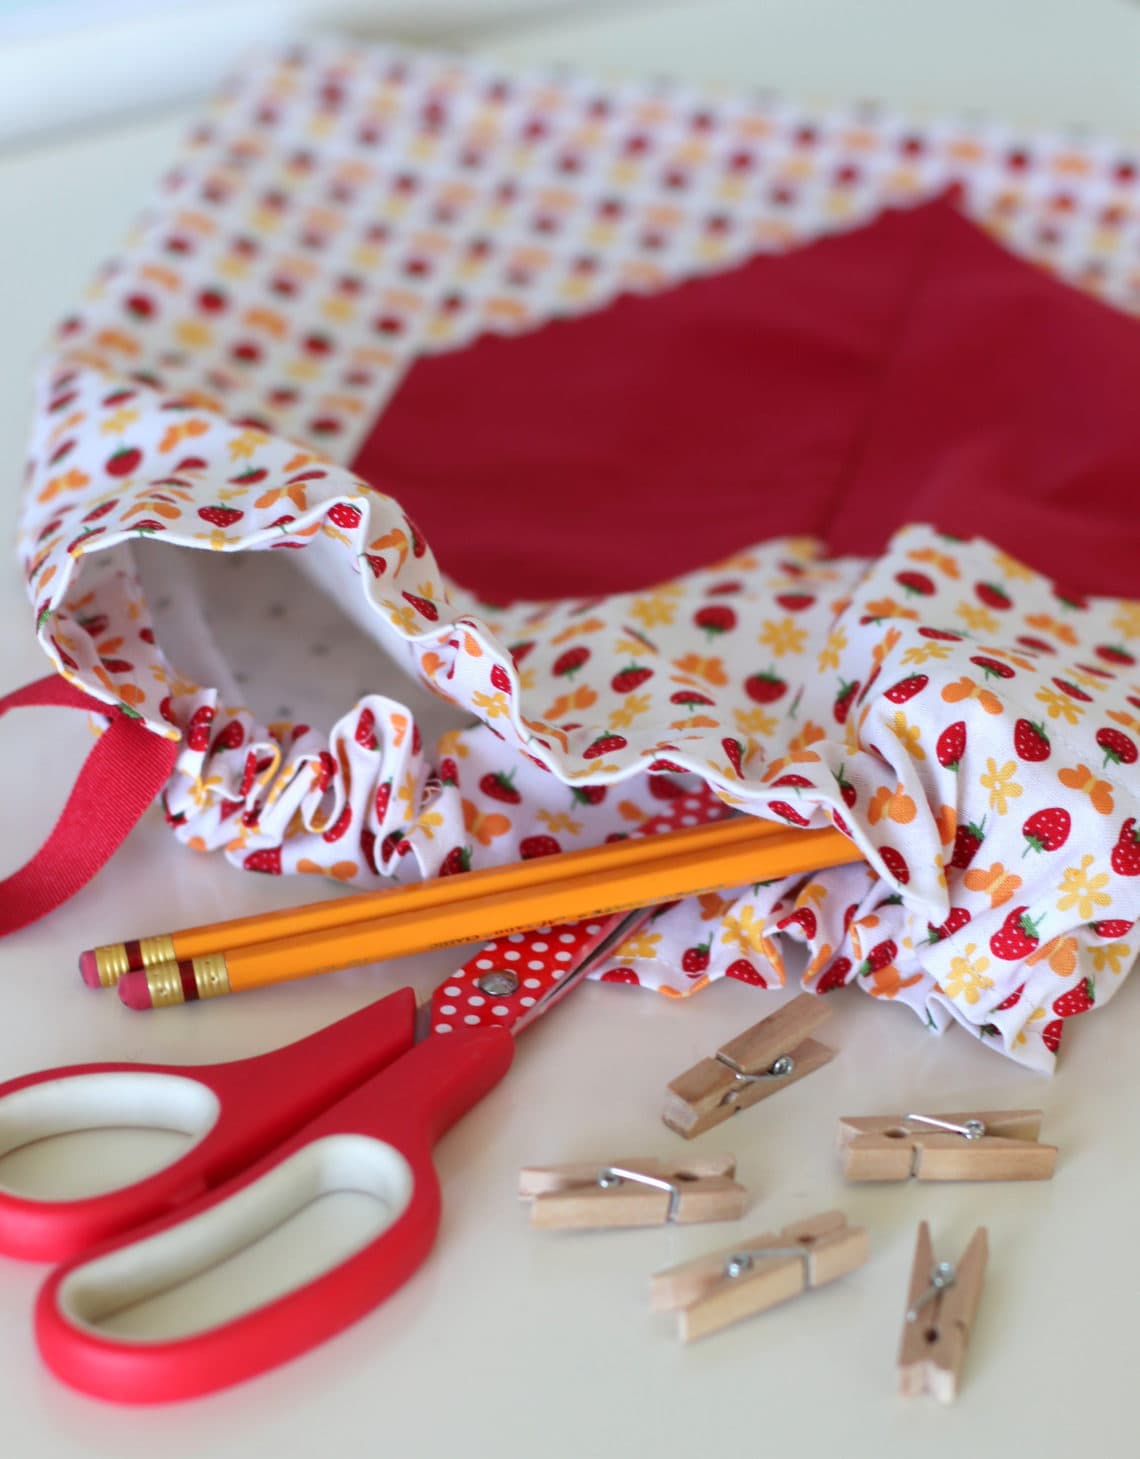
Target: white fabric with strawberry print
(975, 733)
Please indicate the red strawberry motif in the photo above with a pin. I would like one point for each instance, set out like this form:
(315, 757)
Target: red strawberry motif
(1035, 645)
(967, 839)
(1077, 1000)
(782, 808)
(368, 850)
(220, 516)
(715, 618)
(915, 584)
(1113, 928)
(621, 975)
(589, 794)
(803, 918)
(500, 787)
(383, 799)
(102, 510)
(326, 771)
(690, 698)
(339, 826)
(795, 602)
(907, 688)
(666, 766)
(957, 919)
(846, 789)
(895, 863)
(500, 679)
(1051, 1035)
(744, 972)
(232, 737)
(1047, 830)
(843, 700)
(834, 976)
(1072, 691)
(519, 651)
(124, 461)
(423, 606)
(533, 846)
(395, 843)
(267, 861)
(880, 956)
(992, 668)
(1013, 1000)
(604, 745)
(695, 960)
(345, 515)
(943, 635)
(726, 588)
(626, 680)
(951, 745)
(567, 664)
(1118, 748)
(457, 861)
(765, 688)
(376, 563)
(1016, 938)
(198, 730)
(1031, 742)
(1113, 653)
(993, 596)
(840, 824)
(365, 733)
(734, 750)
(1126, 853)
(1068, 599)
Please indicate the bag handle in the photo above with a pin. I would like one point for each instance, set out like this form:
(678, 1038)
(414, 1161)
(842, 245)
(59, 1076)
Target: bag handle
(120, 778)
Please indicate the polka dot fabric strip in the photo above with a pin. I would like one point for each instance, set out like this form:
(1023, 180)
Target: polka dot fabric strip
(526, 966)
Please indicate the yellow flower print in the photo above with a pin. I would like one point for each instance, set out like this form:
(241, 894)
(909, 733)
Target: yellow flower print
(783, 637)
(117, 422)
(830, 656)
(744, 931)
(966, 978)
(428, 823)
(202, 791)
(908, 735)
(1010, 567)
(1059, 706)
(403, 618)
(1000, 784)
(754, 722)
(491, 706)
(1117, 956)
(559, 821)
(1084, 892)
(625, 714)
(921, 653)
(656, 607)
(980, 620)
(407, 793)
(641, 944)
(1127, 620)
(246, 443)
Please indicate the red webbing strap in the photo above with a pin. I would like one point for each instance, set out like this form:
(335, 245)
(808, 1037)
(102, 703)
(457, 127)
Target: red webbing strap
(120, 778)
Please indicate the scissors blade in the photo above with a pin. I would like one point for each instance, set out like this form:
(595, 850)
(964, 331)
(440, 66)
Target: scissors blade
(577, 972)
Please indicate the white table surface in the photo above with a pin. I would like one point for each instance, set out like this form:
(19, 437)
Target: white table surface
(512, 1342)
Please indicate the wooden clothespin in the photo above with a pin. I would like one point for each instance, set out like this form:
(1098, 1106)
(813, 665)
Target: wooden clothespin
(941, 1302)
(641, 1191)
(757, 1273)
(771, 1055)
(996, 1144)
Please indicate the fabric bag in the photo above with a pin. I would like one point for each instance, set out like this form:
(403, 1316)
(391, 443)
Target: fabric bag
(317, 693)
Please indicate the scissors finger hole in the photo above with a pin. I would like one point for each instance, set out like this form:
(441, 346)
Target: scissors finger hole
(80, 1136)
(304, 1217)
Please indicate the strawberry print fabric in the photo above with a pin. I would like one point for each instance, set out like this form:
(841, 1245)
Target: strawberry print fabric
(343, 211)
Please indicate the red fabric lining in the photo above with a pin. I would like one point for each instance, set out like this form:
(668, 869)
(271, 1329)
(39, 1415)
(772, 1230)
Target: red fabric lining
(910, 370)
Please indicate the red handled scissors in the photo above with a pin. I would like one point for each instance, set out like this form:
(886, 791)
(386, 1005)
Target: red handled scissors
(356, 1107)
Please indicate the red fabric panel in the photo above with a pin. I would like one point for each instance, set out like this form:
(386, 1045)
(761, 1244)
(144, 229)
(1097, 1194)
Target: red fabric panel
(910, 370)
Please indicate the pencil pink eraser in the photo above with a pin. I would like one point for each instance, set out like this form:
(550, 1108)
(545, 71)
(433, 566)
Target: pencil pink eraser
(134, 990)
(89, 969)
